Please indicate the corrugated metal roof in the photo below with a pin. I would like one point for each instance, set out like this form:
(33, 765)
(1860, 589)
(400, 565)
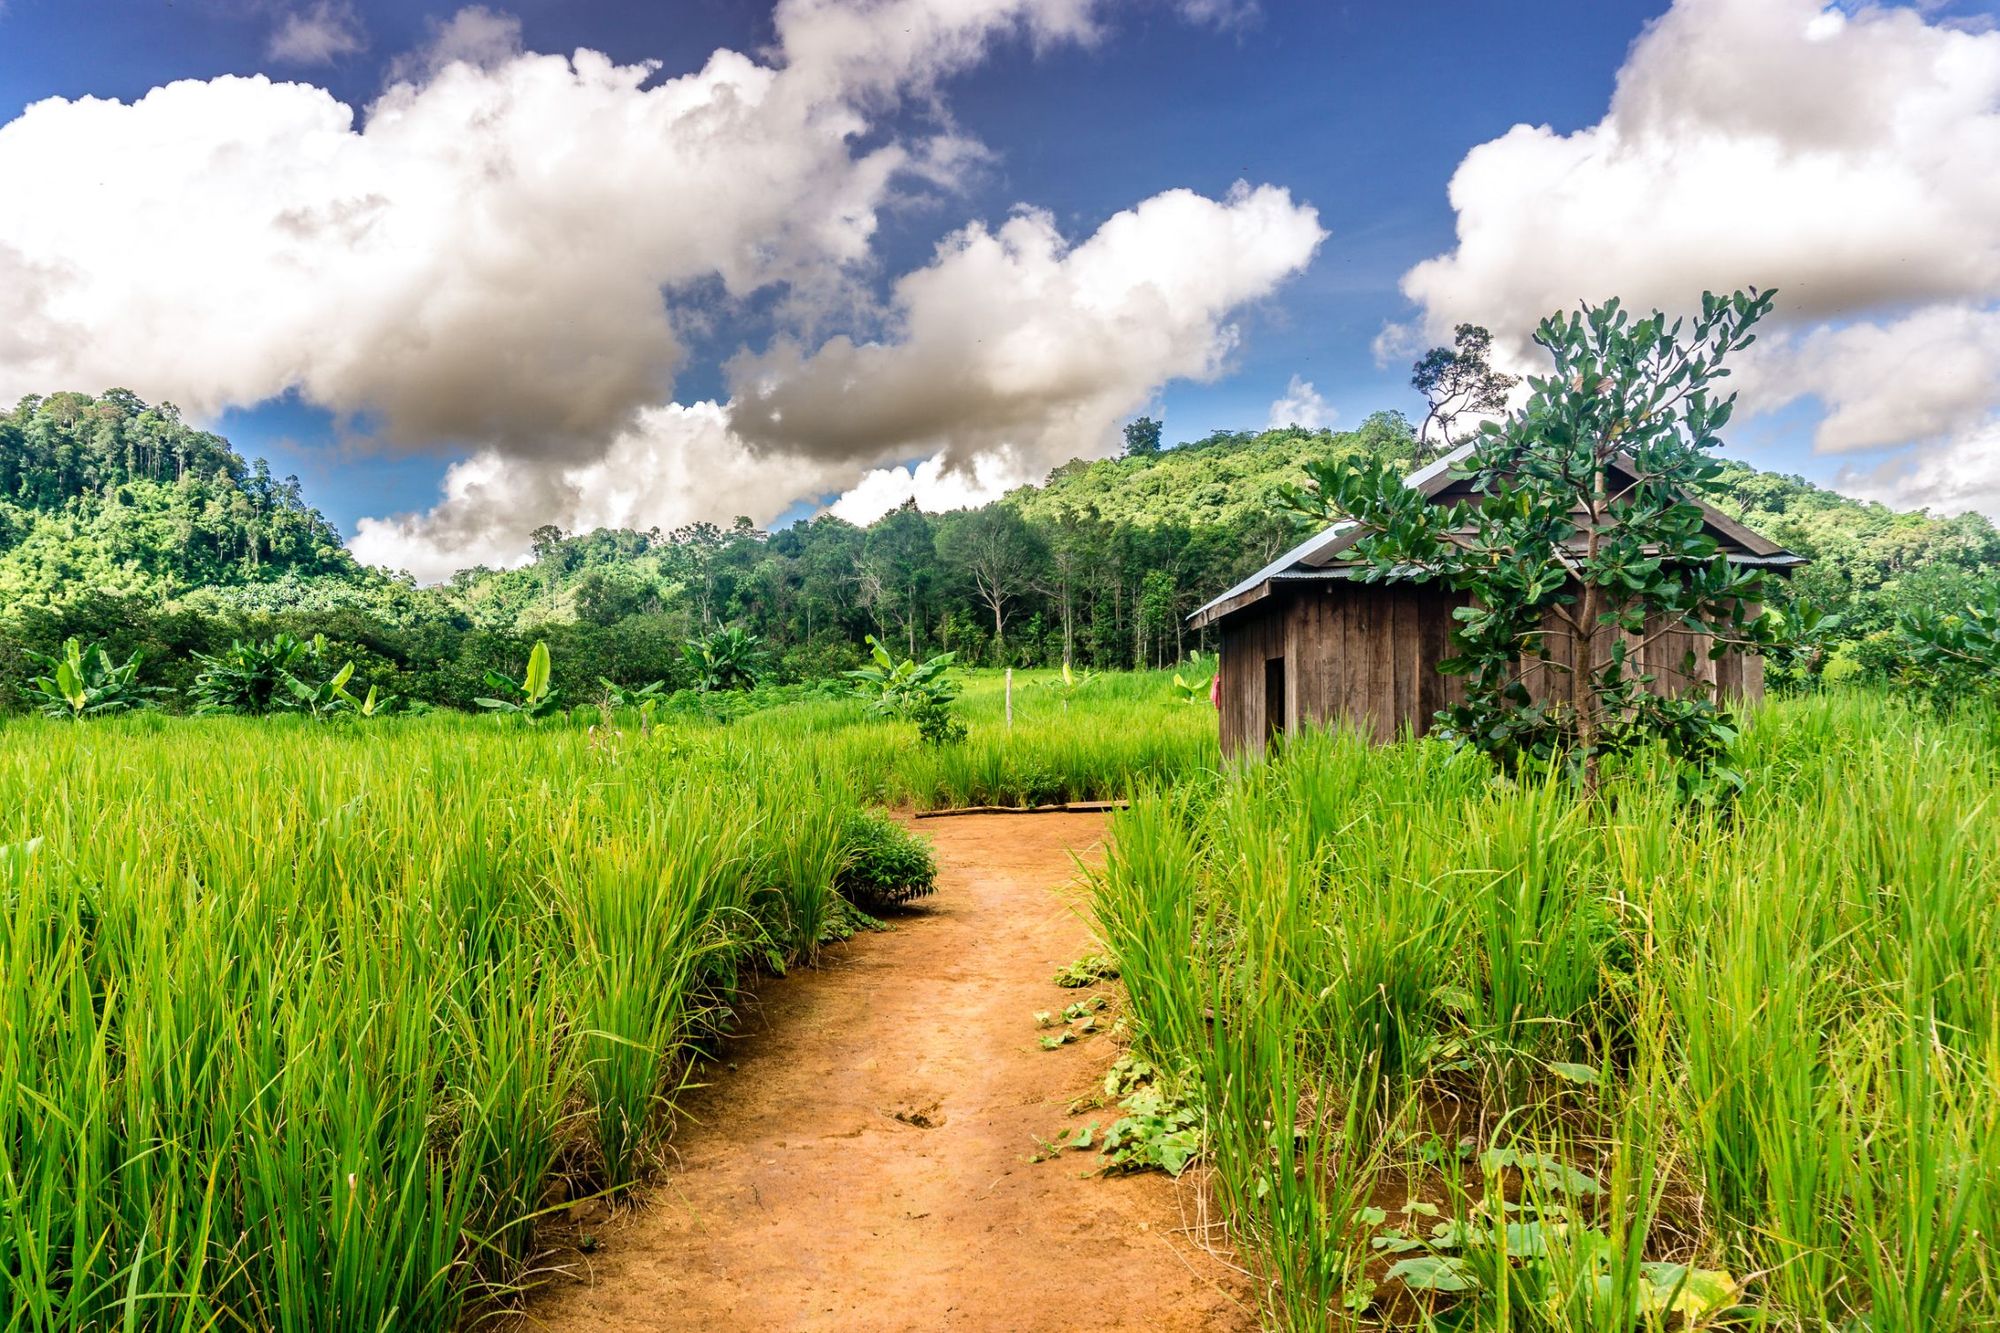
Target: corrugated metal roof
(1311, 558)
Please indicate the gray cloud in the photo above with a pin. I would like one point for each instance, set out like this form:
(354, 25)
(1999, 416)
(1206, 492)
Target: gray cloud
(318, 34)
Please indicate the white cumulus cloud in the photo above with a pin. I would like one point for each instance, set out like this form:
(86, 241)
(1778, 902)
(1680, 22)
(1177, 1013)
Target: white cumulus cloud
(475, 35)
(480, 259)
(1300, 405)
(673, 464)
(1013, 340)
(932, 485)
(1848, 156)
(1014, 352)
(496, 256)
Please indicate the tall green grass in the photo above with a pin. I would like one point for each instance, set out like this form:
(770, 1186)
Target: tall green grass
(302, 1026)
(1768, 1035)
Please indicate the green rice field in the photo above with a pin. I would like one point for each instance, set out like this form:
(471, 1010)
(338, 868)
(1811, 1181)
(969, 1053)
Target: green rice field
(304, 1024)
(1482, 1054)
(307, 1025)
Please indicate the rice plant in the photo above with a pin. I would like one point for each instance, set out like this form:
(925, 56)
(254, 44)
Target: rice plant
(1768, 1034)
(303, 1027)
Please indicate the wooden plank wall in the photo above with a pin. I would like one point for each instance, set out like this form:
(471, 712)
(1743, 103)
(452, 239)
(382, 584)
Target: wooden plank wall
(1737, 675)
(1365, 656)
(1247, 641)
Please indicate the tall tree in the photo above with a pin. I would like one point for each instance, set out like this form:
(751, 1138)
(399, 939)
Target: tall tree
(899, 561)
(1074, 540)
(1142, 436)
(1457, 380)
(999, 552)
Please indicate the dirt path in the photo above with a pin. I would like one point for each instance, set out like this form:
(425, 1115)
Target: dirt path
(801, 1202)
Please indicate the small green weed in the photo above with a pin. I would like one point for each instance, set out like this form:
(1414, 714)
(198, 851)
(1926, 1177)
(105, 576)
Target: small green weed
(1087, 971)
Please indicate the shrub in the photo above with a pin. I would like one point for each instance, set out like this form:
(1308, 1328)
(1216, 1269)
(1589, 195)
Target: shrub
(936, 723)
(250, 677)
(884, 865)
(728, 659)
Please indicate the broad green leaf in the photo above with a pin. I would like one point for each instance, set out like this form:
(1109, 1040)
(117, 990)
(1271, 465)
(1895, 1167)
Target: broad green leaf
(537, 683)
(1432, 1273)
(1573, 1072)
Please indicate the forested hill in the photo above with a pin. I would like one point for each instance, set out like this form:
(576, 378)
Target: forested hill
(120, 522)
(111, 494)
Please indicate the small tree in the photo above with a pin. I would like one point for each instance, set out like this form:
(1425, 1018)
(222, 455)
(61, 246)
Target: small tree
(1952, 657)
(1455, 380)
(1586, 537)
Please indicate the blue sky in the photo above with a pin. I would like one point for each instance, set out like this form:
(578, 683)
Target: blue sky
(1361, 111)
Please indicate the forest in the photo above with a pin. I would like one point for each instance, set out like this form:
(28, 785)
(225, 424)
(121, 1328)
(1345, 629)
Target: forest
(122, 524)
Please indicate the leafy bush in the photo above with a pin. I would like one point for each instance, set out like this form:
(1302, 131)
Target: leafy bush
(1953, 657)
(937, 724)
(728, 659)
(85, 682)
(884, 865)
(250, 678)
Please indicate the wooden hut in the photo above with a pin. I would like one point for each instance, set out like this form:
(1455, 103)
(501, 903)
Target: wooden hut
(1304, 642)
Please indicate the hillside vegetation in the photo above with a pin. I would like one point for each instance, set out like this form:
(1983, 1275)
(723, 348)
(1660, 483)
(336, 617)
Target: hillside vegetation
(120, 523)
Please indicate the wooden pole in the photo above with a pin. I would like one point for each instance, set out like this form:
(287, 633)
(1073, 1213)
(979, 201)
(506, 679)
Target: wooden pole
(1010, 698)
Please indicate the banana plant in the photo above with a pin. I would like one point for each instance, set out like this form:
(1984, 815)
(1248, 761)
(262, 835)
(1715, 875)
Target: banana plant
(321, 699)
(1071, 683)
(728, 659)
(251, 677)
(620, 696)
(85, 682)
(1193, 691)
(533, 698)
(373, 704)
(898, 689)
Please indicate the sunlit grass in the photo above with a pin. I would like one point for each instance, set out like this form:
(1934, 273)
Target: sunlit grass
(1770, 1035)
(302, 1025)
